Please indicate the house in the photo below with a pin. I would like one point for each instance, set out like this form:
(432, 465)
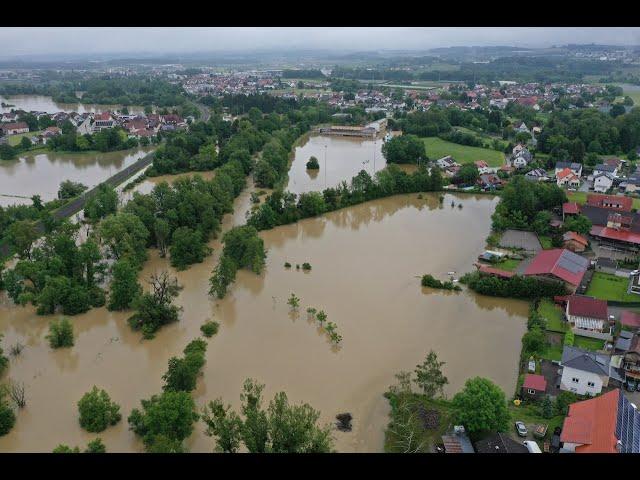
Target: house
(559, 264)
(9, 117)
(588, 316)
(631, 360)
(51, 132)
(630, 320)
(576, 168)
(570, 208)
(489, 181)
(534, 386)
(602, 182)
(574, 242)
(611, 202)
(522, 128)
(621, 230)
(584, 372)
(606, 265)
(495, 272)
(522, 158)
(567, 178)
(14, 128)
(102, 120)
(604, 168)
(537, 175)
(499, 443)
(605, 424)
(623, 343)
(482, 166)
(457, 441)
(446, 162)
(631, 184)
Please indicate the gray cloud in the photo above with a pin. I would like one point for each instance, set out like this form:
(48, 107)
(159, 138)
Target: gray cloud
(29, 41)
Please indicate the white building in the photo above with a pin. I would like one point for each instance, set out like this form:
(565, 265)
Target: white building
(589, 315)
(584, 372)
(603, 182)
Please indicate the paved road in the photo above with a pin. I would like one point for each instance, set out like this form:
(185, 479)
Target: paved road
(78, 204)
(205, 112)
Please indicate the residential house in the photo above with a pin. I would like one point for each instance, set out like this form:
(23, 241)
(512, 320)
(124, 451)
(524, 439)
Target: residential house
(522, 128)
(576, 168)
(534, 386)
(589, 316)
(566, 178)
(604, 168)
(602, 182)
(457, 441)
(574, 242)
(622, 345)
(446, 162)
(631, 184)
(522, 158)
(499, 443)
(9, 117)
(605, 424)
(482, 166)
(537, 175)
(606, 265)
(630, 320)
(489, 181)
(14, 128)
(570, 208)
(584, 372)
(102, 120)
(559, 264)
(621, 231)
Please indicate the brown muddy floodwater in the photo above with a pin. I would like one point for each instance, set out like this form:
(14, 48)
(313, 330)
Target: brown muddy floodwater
(366, 264)
(43, 103)
(41, 172)
(340, 158)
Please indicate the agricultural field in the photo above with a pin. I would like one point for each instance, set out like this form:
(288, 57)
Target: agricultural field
(438, 148)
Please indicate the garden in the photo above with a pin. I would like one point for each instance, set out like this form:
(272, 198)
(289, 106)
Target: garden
(610, 287)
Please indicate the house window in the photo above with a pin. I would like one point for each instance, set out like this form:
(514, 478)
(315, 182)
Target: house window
(575, 380)
(591, 384)
(530, 391)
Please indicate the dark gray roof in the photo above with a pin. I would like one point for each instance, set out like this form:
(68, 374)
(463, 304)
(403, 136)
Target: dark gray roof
(585, 360)
(598, 216)
(606, 262)
(499, 443)
(623, 344)
(569, 165)
(572, 262)
(604, 168)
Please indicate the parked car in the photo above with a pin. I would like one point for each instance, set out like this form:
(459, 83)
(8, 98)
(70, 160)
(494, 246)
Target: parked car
(532, 446)
(521, 429)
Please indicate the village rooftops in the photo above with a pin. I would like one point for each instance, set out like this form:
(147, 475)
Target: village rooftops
(560, 263)
(630, 319)
(570, 208)
(583, 306)
(585, 360)
(535, 382)
(576, 167)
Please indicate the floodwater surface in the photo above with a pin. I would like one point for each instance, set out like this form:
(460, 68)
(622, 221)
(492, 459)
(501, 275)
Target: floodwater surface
(366, 263)
(41, 172)
(43, 103)
(340, 158)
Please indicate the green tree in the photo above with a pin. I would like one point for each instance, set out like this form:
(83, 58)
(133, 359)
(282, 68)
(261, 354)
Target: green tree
(546, 408)
(96, 446)
(4, 361)
(69, 189)
(569, 338)
(404, 149)
(282, 428)
(429, 377)
(182, 373)
(60, 333)
(534, 341)
(156, 309)
(187, 248)
(313, 164)
(21, 235)
(578, 223)
(7, 417)
(103, 203)
(66, 449)
(25, 143)
(165, 419)
(97, 411)
(125, 287)
(481, 406)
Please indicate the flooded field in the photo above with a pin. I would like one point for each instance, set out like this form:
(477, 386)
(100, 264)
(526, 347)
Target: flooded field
(366, 264)
(340, 158)
(40, 173)
(43, 103)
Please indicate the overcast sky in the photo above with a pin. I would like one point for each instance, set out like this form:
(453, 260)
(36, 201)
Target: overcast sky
(30, 41)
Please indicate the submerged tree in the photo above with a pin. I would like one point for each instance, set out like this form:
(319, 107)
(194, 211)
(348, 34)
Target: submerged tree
(429, 377)
(156, 309)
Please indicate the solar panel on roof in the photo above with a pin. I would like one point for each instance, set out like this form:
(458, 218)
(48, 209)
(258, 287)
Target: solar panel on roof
(627, 426)
(572, 262)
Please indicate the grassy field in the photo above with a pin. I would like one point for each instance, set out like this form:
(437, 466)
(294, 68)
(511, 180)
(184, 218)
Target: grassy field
(553, 352)
(438, 148)
(14, 140)
(553, 314)
(530, 414)
(509, 264)
(609, 287)
(545, 242)
(588, 343)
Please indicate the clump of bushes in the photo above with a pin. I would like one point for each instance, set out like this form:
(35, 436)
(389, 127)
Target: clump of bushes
(60, 333)
(97, 411)
(210, 328)
(517, 286)
(432, 282)
(306, 266)
(313, 164)
(287, 265)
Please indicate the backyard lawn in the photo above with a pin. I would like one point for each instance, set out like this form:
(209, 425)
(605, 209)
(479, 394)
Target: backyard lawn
(553, 352)
(438, 148)
(609, 287)
(14, 140)
(588, 343)
(545, 242)
(509, 264)
(553, 314)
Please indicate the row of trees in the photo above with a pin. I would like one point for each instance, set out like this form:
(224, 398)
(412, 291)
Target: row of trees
(517, 286)
(281, 208)
(107, 140)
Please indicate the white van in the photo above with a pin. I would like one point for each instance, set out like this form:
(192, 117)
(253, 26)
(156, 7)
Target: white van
(532, 446)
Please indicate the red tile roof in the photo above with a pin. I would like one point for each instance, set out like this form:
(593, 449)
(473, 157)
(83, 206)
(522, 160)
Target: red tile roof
(613, 234)
(535, 382)
(550, 262)
(630, 319)
(582, 306)
(592, 424)
(606, 201)
(14, 126)
(495, 271)
(575, 237)
(565, 172)
(570, 208)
